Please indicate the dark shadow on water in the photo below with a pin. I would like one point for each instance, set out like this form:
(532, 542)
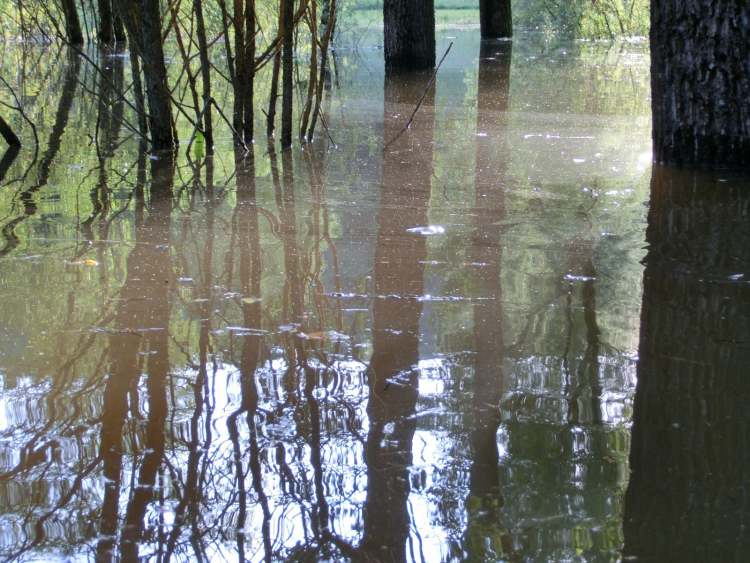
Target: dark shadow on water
(690, 458)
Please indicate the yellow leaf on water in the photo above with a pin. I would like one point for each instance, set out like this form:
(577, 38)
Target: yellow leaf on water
(90, 262)
(250, 300)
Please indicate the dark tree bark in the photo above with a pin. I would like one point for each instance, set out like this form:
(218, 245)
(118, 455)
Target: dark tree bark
(690, 454)
(143, 21)
(120, 35)
(73, 32)
(287, 68)
(155, 73)
(495, 19)
(200, 32)
(700, 80)
(249, 79)
(409, 32)
(274, 93)
(106, 30)
(244, 25)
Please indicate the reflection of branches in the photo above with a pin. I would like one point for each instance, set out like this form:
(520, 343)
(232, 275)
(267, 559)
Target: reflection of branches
(53, 146)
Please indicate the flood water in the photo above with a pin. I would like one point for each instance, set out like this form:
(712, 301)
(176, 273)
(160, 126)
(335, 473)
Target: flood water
(437, 344)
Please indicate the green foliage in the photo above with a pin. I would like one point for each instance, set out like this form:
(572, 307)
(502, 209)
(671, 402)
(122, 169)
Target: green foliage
(584, 18)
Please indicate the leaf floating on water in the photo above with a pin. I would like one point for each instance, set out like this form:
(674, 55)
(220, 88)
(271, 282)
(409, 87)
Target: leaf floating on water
(87, 262)
(250, 300)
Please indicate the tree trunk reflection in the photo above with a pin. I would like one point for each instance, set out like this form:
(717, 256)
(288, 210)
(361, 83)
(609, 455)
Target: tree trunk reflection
(398, 283)
(141, 327)
(690, 454)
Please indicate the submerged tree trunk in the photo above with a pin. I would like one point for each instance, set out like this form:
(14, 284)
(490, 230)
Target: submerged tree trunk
(409, 33)
(72, 22)
(495, 19)
(700, 69)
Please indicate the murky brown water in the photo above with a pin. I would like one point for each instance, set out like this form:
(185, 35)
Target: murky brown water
(416, 347)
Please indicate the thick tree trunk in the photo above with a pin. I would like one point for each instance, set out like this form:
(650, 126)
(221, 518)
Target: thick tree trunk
(409, 29)
(690, 455)
(700, 80)
(72, 22)
(495, 19)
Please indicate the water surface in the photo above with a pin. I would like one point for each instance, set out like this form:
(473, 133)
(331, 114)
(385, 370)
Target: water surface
(411, 345)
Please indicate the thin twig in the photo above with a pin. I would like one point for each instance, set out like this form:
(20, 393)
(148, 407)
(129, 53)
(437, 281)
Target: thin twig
(421, 99)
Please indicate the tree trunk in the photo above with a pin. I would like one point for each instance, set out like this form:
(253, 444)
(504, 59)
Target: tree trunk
(690, 454)
(143, 20)
(106, 31)
(495, 19)
(700, 81)
(409, 30)
(200, 31)
(272, 97)
(72, 23)
(120, 35)
(249, 78)
(287, 67)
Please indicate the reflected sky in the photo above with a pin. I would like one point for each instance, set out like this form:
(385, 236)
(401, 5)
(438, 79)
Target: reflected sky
(413, 345)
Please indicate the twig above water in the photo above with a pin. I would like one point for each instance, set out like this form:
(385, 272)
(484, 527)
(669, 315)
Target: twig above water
(421, 98)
